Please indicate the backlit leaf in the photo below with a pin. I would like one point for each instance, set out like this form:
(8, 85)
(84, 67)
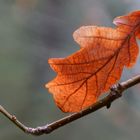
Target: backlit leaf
(83, 76)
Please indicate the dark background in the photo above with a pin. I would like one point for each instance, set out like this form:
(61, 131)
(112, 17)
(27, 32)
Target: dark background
(31, 31)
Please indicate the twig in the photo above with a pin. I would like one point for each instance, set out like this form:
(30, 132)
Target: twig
(115, 92)
(13, 119)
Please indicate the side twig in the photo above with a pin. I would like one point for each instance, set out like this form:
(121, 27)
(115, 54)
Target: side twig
(115, 92)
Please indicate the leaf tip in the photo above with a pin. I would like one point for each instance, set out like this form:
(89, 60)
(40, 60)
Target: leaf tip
(77, 32)
(46, 85)
(120, 20)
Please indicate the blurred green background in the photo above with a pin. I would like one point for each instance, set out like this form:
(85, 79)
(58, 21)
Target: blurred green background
(31, 31)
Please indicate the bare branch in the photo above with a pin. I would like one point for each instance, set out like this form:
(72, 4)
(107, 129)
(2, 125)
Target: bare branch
(13, 119)
(115, 92)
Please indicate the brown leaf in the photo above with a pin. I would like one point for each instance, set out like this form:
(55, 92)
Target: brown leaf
(83, 76)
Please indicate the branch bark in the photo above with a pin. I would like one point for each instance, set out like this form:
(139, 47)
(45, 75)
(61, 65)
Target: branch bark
(115, 92)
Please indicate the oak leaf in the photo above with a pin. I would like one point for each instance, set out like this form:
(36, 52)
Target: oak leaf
(83, 76)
